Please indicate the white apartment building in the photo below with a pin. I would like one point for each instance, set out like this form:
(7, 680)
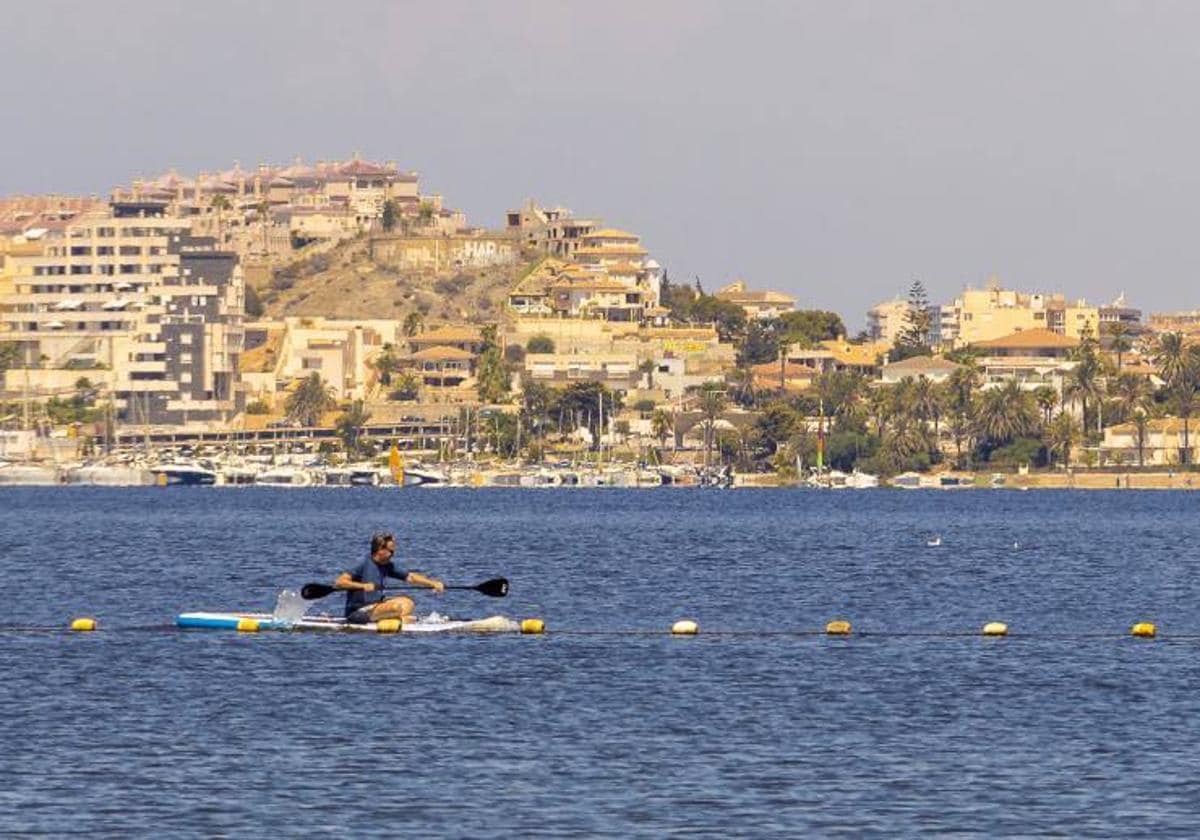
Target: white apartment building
(130, 299)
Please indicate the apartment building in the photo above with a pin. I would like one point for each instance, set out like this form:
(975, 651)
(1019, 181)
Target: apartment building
(887, 321)
(132, 300)
(994, 312)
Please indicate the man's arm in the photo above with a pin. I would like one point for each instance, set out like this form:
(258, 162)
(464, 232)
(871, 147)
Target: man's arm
(421, 580)
(346, 581)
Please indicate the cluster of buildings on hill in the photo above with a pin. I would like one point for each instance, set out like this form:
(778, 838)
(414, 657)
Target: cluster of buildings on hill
(144, 295)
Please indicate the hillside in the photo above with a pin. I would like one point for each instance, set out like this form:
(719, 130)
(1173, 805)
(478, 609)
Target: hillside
(344, 282)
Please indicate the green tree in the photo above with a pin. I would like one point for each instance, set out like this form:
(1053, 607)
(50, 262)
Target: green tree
(647, 367)
(1083, 385)
(810, 326)
(406, 386)
(350, 427)
(661, 426)
(583, 401)
(308, 402)
(1046, 399)
(540, 343)
(1141, 427)
(1128, 392)
(1172, 358)
(927, 404)
(1119, 341)
(425, 212)
(536, 402)
(10, 354)
(1003, 415)
(391, 214)
(711, 402)
(777, 424)
(842, 394)
(253, 304)
(760, 343)
(1061, 435)
(914, 338)
(492, 376)
(414, 322)
(1184, 401)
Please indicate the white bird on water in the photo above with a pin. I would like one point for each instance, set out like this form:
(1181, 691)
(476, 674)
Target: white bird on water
(934, 542)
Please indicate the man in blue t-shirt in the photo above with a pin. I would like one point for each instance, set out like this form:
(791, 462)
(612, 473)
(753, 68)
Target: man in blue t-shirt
(364, 599)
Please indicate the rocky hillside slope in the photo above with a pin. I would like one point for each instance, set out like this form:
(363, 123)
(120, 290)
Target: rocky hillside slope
(345, 283)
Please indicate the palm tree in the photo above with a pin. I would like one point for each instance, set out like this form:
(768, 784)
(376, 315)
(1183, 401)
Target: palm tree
(1141, 424)
(414, 322)
(1119, 341)
(1129, 393)
(926, 402)
(1186, 401)
(712, 404)
(647, 367)
(1004, 414)
(661, 426)
(1171, 356)
(880, 405)
(350, 426)
(308, 402)
(1046, 400)
(1062, 434)
(1083, 384)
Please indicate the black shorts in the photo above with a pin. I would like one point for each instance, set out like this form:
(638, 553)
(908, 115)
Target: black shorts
(362, 615)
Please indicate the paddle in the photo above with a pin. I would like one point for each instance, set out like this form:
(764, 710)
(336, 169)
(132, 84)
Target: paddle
(495, 588)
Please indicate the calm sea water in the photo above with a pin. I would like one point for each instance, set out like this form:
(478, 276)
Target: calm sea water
(1067, 726)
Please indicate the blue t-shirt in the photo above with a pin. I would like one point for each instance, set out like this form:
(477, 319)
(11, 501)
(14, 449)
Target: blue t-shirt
(371, 572)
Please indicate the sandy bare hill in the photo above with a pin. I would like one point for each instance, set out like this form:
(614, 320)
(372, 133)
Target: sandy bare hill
(345, 283)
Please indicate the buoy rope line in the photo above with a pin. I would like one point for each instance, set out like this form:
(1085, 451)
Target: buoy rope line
(836, 629)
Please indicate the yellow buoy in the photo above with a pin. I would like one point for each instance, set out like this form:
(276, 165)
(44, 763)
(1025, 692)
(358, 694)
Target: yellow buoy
(533, 626)
(247, 625)
(84, 625)
(838, 628)
(685, 627)
(995, 628)
(387, 625)
(1144, 630)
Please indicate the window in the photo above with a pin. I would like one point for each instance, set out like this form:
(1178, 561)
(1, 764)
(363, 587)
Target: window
(185, 339)
(311, 363)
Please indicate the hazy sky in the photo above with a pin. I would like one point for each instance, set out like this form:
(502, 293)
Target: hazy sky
(833, 150)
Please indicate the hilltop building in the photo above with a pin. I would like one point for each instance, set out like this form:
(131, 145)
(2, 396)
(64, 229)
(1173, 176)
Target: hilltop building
(272, 211)
(555, 231)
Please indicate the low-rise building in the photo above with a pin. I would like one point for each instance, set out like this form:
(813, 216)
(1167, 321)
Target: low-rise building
(616, 371)
(1162, 443)
(1031, 357)
(756, 304)
(933, 368)
(841, 355)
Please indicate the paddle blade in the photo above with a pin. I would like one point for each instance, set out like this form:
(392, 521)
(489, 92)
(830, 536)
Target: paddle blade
(311, 591)
(496, 588)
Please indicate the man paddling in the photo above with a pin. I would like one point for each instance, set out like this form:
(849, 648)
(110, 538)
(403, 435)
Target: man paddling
(364, 599)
